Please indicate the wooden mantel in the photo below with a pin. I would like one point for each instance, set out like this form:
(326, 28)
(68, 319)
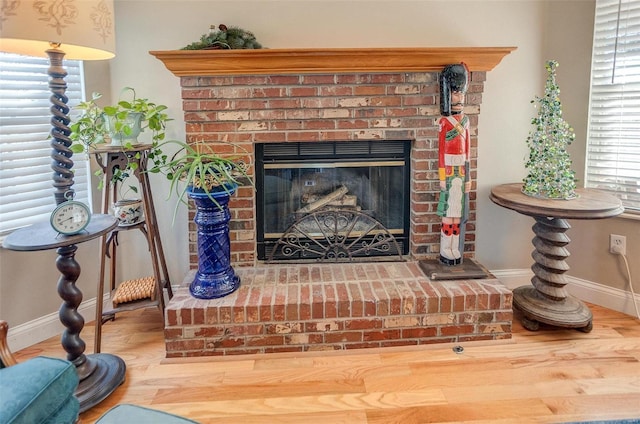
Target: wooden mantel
(314, 61)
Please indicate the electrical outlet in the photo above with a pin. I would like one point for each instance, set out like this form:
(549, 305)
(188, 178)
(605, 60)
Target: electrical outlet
(617, 244)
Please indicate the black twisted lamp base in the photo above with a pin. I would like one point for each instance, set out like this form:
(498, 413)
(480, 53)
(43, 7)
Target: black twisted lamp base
(60, 142)
(99, 374)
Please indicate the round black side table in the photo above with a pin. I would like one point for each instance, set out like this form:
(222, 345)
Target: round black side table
(100, 374)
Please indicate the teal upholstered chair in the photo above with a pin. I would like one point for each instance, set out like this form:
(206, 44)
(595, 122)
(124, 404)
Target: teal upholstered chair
(39, 390)
(126, 413)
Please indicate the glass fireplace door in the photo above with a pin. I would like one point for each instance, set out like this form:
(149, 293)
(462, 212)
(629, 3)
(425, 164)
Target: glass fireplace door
(332, 194)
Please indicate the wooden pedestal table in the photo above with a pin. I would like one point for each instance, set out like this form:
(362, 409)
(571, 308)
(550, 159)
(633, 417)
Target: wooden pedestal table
(547, 300)
(100, 374)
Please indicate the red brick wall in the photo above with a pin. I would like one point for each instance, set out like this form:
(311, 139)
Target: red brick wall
(341, 107)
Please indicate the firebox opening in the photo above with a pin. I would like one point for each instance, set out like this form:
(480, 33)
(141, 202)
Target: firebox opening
(333, 201)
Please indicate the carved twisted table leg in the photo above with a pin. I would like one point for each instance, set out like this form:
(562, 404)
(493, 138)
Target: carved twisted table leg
(547, 300)
(100, 374)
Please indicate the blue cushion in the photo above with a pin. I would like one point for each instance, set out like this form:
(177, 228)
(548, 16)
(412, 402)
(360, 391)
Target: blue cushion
(39, 390)
(126, 413)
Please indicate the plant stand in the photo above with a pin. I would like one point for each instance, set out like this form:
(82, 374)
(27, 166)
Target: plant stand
(215, 276)
(110, 158)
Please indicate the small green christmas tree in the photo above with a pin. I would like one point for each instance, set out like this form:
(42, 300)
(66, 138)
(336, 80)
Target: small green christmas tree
(549, 165)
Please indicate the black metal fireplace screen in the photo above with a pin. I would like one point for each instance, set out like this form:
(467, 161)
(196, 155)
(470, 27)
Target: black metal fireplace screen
(333, 201)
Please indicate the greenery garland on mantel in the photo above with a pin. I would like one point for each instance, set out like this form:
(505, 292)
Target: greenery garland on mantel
(225, 37)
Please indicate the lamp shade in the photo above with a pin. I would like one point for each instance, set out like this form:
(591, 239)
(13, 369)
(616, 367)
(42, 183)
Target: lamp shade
(84, 29)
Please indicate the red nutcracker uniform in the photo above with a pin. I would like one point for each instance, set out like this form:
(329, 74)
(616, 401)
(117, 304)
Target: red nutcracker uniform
(453, 163)
(454, 145)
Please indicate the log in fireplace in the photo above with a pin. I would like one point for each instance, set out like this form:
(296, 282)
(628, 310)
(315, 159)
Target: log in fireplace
(333, 201)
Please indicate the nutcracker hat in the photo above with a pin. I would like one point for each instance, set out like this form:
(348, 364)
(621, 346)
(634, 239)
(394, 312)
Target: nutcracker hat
(452, 78)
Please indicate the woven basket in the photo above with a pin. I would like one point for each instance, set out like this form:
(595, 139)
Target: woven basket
(131, 290)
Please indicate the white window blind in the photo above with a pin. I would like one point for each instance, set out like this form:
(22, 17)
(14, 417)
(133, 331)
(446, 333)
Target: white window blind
(613, 151)
(26, 190)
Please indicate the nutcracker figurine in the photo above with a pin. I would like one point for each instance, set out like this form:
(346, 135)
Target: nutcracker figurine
(453, 163)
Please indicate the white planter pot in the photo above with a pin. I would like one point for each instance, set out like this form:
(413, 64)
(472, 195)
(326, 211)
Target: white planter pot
(128, 211)
(119, 138)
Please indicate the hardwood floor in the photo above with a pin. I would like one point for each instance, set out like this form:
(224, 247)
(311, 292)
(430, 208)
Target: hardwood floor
(549, 376)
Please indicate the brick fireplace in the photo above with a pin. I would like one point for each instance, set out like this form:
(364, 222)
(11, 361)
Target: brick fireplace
(280, 96)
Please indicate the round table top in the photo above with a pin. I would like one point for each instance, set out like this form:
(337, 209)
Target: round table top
(590, 203)
(42, 236)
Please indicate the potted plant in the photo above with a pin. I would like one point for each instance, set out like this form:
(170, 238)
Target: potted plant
(118, 126)
(197, 168)
(197, 172)
(121, 122)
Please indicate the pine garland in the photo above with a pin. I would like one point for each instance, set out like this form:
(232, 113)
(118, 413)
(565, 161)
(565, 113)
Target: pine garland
(225, 37)
(549, 164)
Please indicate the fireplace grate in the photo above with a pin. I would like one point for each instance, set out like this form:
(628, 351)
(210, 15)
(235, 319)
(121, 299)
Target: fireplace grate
(335, 236)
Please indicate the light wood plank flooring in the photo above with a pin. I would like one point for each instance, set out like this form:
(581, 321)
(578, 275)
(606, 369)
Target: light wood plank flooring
(549, 376)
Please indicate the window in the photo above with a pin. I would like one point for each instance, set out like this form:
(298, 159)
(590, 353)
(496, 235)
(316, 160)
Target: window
(26, 191)
(613, 150)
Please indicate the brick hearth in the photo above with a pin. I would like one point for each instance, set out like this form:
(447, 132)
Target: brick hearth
(297, 308)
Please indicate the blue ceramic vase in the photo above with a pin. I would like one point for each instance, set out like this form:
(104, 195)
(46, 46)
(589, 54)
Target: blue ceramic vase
(215, 276)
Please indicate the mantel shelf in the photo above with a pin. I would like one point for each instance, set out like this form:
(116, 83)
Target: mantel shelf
(313, 61)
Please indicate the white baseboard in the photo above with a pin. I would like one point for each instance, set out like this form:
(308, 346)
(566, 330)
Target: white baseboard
(599, 294)
(37, 330)
(513, 278)
(588, 291)
(32, 332)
